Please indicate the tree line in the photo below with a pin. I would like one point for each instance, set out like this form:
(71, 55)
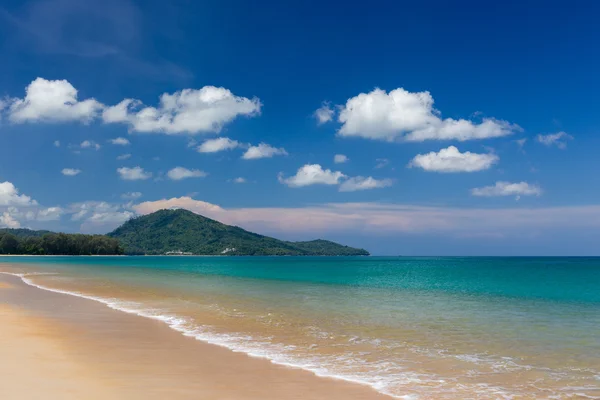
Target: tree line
(59, 244)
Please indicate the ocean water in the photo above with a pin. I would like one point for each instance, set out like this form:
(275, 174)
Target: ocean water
(412, 328)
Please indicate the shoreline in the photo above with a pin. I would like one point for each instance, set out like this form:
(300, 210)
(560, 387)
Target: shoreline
(257, 374)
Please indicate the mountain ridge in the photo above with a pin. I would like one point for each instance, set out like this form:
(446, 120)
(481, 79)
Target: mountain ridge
(183, 231)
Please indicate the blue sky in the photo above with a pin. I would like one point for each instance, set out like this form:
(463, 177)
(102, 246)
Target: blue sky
(461, 127)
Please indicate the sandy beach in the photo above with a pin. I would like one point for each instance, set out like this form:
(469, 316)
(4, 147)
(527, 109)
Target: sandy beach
(56, 346)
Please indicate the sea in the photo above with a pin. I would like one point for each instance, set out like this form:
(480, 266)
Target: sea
(411, 328)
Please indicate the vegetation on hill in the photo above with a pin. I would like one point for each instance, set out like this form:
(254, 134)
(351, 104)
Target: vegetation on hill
(23, 233)
(25, 241)
(181, 230)
(322, 247)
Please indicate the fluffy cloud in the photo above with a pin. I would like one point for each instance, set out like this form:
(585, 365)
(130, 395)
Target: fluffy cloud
(179, 173)
(52, 101)
(70, 171)
(216, 145)
(239, 180)
(9, 196)
(185, 202)
(120, 141)
(340, 159)
(13, 216)
(361, 183)
(133, 174)
(188, 111)
(324, 114)
(313, 174)
(452, 160)
(90, 144)
(98, 216)
(401, 114)
(555, 139)
(124, 156)
(49, 214)
(7, 221)
(502, 188)
(56, 143)
(16, 207)
(131, 195)
(263, 150)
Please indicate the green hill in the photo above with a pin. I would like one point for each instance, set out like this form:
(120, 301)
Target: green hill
(27, 241)
(23, 233)
(181, 230)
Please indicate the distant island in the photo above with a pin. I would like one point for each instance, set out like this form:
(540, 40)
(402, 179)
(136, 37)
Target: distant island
(183, 231)
(167, 232)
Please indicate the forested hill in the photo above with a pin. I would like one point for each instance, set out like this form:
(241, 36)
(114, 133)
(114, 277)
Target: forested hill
(25, 241)
(23, 233)
(184, 231)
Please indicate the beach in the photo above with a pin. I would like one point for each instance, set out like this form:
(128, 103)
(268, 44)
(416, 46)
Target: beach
(301, 327)
(55, 346)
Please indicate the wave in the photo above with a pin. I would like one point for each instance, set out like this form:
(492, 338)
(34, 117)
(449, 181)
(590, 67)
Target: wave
(237, 343)
(385, 377)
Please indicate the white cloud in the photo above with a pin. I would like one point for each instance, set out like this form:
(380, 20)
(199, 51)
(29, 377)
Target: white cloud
(90, 144)
(381, 162)
(7, 221)
(263, 150)
(502, 188)
(13, 216)
(401, 114)
(340, 159)
(56, 143)
(99, 216)
(313, 174)
(133, 174)
(49, 214)
(12, 204)
(362, 183)
(80, 211)
(216, 145)
(52, 101)
(70, 171)
(452, 160)
(9, 196)
(239, 180)
(124, 156)
(197, 206)
(120, 141)
(188, 111)
(179, 173)
(555, 139)
(110, 218)
(324, 114)
(131, 195)
(384, 218)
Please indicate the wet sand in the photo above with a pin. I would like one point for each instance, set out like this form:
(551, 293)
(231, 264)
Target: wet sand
(56, 346)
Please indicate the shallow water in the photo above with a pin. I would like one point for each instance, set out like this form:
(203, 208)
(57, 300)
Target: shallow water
(418, 328)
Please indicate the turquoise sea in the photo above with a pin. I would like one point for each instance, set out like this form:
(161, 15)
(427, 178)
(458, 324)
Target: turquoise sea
(413, 328)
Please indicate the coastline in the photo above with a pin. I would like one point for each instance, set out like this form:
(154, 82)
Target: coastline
(135, 357)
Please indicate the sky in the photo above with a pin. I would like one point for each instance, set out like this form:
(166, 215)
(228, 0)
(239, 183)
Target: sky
(442, 128)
